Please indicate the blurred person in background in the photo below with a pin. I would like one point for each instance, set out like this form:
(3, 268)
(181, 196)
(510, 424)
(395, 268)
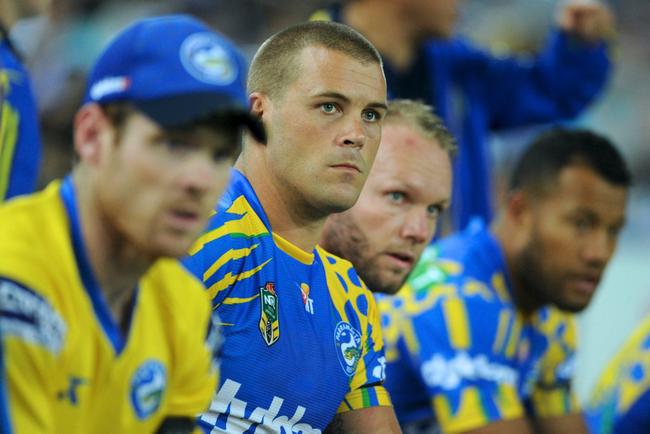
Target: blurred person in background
(408, 188)
(59, 47)
(620, 403)
(481, 338)
(303, 350)
(475, 92)
(20, 141)
(103, 330)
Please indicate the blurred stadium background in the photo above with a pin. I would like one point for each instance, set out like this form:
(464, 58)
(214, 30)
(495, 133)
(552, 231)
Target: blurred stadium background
(59, 46)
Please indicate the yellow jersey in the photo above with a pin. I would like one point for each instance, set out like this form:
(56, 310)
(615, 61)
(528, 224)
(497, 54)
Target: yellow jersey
(69, 368)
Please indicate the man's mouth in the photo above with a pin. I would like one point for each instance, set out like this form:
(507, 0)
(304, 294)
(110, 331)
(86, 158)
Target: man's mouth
(347, 166)
(404, 259)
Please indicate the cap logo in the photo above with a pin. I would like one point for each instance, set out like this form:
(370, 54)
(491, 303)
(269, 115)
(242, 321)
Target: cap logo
(107, 86)
(206, 59)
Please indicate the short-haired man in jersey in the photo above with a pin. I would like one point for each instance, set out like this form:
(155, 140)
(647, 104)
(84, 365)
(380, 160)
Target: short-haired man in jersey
(103, 330)
(302, 341)
(482, 338)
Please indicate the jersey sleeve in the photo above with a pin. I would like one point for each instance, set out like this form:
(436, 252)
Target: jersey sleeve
(366, 389)
(464, 349)
(552, 394)
(198, 370)
(556, 84)
(32, 338)
(20, 142)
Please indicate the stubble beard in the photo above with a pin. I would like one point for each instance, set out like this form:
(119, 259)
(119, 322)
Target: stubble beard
(345, 239)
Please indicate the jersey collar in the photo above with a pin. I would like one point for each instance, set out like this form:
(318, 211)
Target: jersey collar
(100, 305)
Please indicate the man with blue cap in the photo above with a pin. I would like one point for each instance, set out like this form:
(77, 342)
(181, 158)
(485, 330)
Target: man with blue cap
(103, 331)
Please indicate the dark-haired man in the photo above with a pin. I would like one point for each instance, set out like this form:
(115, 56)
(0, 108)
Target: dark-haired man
(302, 342)
(484, 345)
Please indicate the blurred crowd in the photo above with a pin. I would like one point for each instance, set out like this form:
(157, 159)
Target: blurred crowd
(59, 45)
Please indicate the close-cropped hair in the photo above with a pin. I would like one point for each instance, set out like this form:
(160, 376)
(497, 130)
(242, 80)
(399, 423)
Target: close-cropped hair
(275, 64)
(540, 165)
(422, 117)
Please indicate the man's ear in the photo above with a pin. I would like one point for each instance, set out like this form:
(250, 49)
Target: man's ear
(260, 105)
(519, 211)
(91, 129)
(516, 206)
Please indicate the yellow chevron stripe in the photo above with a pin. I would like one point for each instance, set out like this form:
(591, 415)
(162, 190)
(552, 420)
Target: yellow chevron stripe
(249, 225)
(229, 279)
(230, 255)
(239, 300)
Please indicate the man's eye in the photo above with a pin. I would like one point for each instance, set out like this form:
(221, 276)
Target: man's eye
(583, 224)
(434, 211)
(175, 145)
(328, 107)
(396, 196)
(371, 116)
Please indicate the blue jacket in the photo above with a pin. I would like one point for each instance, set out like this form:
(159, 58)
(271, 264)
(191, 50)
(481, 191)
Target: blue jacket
(20, 141)
(475, 92)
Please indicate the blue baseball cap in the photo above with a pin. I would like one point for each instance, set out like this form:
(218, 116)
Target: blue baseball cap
(176, 70)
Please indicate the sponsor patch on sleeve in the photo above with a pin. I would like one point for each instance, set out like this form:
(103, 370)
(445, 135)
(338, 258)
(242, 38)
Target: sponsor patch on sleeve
(28, 316)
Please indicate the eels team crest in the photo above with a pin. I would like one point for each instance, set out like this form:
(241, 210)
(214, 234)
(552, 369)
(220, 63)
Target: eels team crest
(348, 346)
(269, 315)
(204, 57)
(148, 388)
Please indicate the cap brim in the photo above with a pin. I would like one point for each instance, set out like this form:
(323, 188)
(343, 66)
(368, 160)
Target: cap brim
(181, 110)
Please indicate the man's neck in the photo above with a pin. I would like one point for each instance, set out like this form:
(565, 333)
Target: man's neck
(522, 297)
(117, 264)
(399, 45)
(287, 217)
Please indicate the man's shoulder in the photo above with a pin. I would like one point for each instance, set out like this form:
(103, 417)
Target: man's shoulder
(31, 210)
(349, 294)
(464, 267)
(35, 238)
(238, 221)
(167, 275)
(342, 274)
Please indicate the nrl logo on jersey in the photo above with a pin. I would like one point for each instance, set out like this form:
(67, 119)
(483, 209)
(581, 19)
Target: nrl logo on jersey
(348, 345)
(269, 314)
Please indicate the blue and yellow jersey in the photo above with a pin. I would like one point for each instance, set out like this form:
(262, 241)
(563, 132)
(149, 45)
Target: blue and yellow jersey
(68, 366)
(621, 401)
(302, 339)
(20, 142)
(459, 354)
(552, 394)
